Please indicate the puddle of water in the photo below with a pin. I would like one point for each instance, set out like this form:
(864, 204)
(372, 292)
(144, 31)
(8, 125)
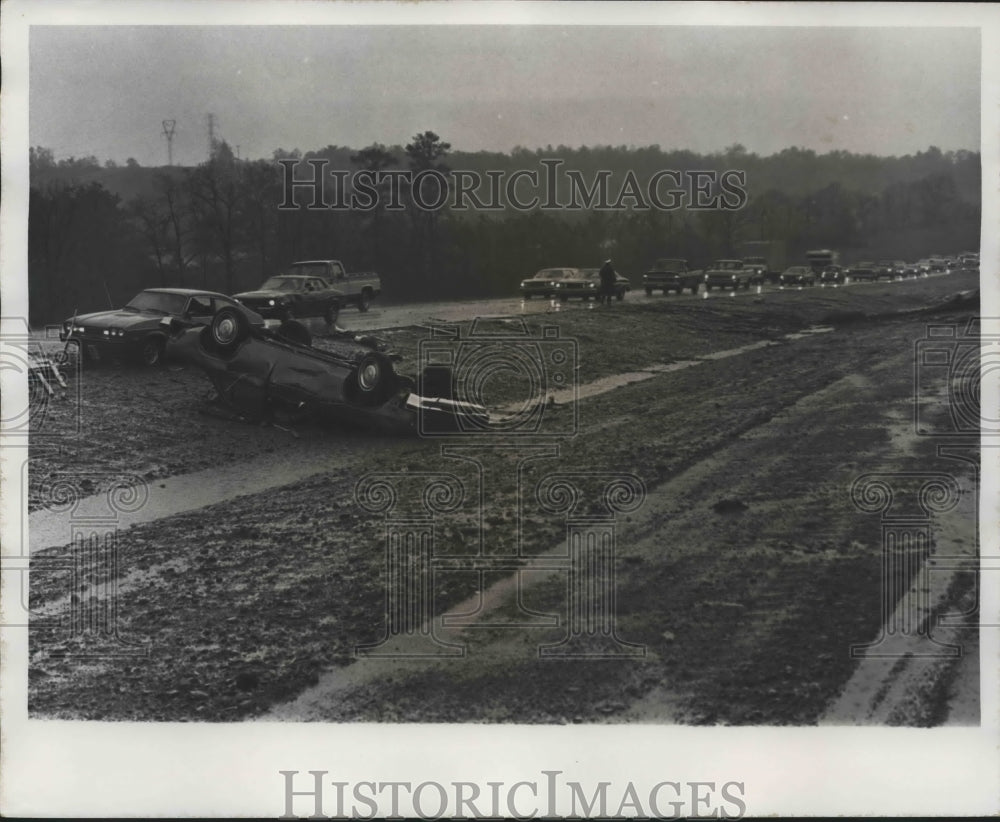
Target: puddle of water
(189, 492)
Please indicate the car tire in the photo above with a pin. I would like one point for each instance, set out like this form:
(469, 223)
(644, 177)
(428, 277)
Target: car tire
(620, 296)
(694, 289)
(525, 296)
(151, 351)
(229, 329)
(287, 314)
(374, 380)
(365, 300)
(649, 292)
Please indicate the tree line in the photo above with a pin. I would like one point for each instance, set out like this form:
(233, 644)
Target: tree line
(98, 233)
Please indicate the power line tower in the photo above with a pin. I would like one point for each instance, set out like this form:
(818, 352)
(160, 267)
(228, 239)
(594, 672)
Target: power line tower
(168, 132)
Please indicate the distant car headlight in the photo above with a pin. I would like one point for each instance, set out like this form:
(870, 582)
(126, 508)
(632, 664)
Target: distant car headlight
(270, 302)
(591, 285)
(106, 332)
(558, 285)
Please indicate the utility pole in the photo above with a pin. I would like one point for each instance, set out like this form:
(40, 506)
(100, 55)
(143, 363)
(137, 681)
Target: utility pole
(168, 132)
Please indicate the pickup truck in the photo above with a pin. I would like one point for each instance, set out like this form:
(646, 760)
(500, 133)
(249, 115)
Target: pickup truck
(671, 275)
(358, 288)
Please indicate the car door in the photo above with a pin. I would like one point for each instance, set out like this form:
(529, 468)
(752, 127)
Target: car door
(200, 309)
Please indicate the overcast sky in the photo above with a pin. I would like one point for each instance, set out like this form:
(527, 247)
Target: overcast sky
(106, 90)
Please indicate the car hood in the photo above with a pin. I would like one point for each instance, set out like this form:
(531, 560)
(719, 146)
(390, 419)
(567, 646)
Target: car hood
(262, 295)
(118, 319)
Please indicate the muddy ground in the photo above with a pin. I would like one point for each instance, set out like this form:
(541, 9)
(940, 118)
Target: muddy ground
(742, 580)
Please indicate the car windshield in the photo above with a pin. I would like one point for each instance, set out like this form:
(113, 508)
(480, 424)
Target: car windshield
(670, 265)
(283, 284)
(310, 269)
(551, 274)
(157, 302)
(590, 273)
(728, 265)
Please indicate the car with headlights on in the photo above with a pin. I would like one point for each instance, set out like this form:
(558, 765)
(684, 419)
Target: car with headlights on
(542, 283)
(798, 275)
(136, 331)
(584, 283)
(862, 272)
(833, 275)
(729, 275)
(294, 297)
(668, 275)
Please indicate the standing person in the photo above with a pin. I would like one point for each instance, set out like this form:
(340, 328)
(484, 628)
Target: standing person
(608, 277)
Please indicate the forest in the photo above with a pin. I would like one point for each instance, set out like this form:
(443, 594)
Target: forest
(100, 232)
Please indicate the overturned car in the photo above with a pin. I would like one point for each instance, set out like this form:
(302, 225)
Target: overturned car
(260, 370)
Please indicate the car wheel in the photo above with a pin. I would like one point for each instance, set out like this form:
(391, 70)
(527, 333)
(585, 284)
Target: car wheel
(563, 298)
(620, 296)
(525, 296)
(332, 312)
(374, 380)
(151, 351)
(365, 301)
(287, 313)
(694, 289)
(229, 328)
(649, 292)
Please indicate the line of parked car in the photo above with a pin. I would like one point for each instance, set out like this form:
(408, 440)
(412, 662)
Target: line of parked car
(674, 275)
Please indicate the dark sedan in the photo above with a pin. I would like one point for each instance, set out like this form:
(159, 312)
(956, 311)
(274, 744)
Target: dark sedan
(294, 296)
(832, 275)
(136, 331)
(585, 283)
(862, 272)
(798, 275)
(543, 283)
